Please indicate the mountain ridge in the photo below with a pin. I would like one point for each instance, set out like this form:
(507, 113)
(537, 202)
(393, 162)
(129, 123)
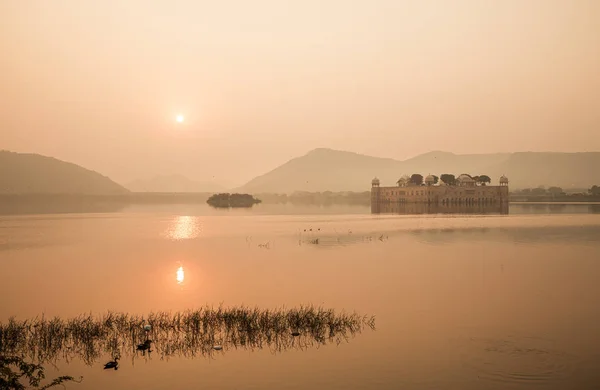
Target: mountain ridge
(324, 169)
(30, 173)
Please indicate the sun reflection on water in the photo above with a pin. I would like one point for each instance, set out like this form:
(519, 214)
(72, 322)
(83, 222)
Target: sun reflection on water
(183, 227)
(180, 275)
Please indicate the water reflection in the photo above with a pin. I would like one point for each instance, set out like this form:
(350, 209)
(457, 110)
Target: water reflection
(563, 235)
(28, 204)
(447, 232)
(188, 334)
(554, 208)
(180, 275)
(423, 208)
(183, 227)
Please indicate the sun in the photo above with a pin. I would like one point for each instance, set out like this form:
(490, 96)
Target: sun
(179, 118)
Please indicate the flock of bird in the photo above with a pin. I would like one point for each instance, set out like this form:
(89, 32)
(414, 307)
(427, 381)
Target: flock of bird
(145, 346)
(308, 236)
(114, 364)
(317, 240)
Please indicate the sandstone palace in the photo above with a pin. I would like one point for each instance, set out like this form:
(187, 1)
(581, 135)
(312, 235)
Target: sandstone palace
(465, 193)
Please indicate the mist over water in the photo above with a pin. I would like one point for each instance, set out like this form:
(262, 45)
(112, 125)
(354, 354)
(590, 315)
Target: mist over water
(460, 301)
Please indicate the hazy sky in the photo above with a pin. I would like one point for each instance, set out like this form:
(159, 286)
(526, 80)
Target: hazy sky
(99, 83)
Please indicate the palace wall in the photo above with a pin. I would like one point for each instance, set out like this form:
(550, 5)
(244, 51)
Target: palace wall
(442, 195)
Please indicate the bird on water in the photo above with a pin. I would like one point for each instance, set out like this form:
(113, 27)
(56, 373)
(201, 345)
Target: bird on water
(144, 346)
(112, 364)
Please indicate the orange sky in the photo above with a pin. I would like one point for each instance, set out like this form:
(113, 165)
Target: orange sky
(99, 83)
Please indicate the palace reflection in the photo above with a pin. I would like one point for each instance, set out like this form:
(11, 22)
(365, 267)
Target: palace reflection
(424, 208)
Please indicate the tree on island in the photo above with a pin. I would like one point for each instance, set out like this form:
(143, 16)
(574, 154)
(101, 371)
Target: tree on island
(448, 179)
(595, 190)
(556, 191)
(435, 179)
(416, 179)
(483, 179)
(226, 200)
(538, 191)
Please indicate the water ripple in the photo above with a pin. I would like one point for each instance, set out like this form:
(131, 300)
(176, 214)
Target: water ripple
(183, 227)
(517, 360)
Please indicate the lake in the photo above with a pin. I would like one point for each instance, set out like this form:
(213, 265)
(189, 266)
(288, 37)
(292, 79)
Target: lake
(460, 301)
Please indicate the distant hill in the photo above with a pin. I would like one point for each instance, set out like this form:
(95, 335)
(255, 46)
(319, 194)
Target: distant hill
(22, 173)
(173, 183)
(333, 170)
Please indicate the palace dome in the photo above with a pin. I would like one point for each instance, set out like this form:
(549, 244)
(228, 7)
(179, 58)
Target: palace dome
(375, 182)
(503, 179)
(464, 178)
(430, 179)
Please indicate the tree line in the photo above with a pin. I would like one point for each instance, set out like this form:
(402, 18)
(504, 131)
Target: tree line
(448, 178)
(555, 191)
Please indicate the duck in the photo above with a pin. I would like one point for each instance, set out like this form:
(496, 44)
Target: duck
(112, 364)
(144, 346)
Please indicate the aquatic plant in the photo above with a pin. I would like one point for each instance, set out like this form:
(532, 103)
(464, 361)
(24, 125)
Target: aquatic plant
(189, 333)
(14, 371)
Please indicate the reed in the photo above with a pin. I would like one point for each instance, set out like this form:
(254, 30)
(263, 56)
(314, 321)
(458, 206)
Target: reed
(189, 333)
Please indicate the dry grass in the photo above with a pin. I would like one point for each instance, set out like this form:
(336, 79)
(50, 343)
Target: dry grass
(190, 333)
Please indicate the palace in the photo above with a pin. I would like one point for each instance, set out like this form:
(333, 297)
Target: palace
(464, 193)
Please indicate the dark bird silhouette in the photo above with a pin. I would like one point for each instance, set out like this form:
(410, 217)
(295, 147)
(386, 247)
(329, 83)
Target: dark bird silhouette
(144, 346)
(112, 364)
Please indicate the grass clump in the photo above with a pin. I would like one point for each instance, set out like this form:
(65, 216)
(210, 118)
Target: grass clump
(189, 333)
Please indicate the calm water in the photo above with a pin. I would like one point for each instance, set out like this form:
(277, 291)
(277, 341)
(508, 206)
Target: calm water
(461, 302)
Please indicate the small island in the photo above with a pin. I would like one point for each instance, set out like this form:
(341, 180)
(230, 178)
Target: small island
(226, 200)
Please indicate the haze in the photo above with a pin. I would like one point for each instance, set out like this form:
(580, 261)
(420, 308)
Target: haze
(101, 83)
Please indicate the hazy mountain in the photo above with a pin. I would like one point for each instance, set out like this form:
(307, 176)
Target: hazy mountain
(332, 170)
(22, 173)
(567, 170)
(435, 162)
(324, 170)
(173, 183)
